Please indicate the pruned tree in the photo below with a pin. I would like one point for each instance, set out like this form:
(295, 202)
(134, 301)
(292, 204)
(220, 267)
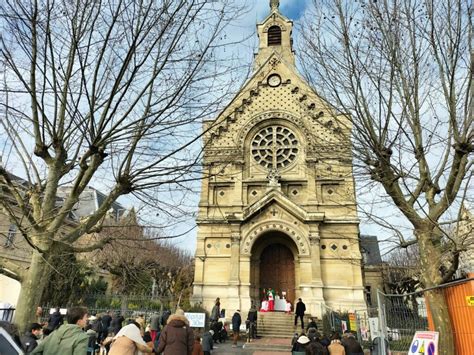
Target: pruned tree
(401, 274)
(402, 70)
(139, 263)
(104, 92)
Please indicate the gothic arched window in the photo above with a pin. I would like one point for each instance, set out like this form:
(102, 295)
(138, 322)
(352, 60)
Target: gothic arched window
(274, 36)
(274, 147)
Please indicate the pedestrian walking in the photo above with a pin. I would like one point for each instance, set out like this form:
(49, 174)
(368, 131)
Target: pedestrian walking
(299, 312)
(236, 322)
(177, 337)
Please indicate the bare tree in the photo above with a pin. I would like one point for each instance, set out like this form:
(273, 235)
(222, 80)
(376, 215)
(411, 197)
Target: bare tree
(135, 259)
(402, 70)
(105, 92)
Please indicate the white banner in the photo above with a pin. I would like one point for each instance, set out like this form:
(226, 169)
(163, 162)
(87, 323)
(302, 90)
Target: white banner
(374, 328)
(196, 320)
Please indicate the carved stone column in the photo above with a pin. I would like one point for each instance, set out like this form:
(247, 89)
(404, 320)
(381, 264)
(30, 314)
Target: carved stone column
(234, 258)
(314, 241)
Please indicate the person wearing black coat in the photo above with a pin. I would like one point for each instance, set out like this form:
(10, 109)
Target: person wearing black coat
(164, 317)
(252, 321)
(29, 341)
(351, 345)
(116, 323)
(316, 348)
(299, 312)
(55, 320)
(105, 320)
(312, 324)
(236, 322)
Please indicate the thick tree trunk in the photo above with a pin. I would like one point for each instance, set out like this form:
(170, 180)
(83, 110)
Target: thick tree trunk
(431, 257)
(441, 320)
(31, 290)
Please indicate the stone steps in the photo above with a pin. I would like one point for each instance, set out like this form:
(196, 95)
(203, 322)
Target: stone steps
(278, 325)
(269, 345)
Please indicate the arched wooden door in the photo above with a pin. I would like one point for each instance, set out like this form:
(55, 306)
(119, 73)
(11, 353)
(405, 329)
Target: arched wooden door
(277, 270)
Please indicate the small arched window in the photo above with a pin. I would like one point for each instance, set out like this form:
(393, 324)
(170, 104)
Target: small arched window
(274, 36)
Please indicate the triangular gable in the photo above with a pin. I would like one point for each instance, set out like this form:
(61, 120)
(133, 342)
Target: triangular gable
(274, 13)
(276, 196)
(252, 83)
(246, 95)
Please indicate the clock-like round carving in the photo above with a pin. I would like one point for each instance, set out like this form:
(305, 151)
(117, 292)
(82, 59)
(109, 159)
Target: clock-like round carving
(275, 147)
(274, 80)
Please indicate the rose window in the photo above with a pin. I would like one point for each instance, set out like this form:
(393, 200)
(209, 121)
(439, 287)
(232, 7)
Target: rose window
(274, 147)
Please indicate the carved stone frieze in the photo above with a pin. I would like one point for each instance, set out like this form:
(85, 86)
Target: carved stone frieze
(275, 226)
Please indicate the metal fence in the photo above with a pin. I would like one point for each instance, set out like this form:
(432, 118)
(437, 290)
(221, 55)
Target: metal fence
(129, 306)
(393, 322)
(6, 314)
(399, 315)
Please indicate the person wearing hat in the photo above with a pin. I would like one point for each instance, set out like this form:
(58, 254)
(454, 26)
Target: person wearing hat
(301, 343)
(207, 342)
(177, 336)
(336, 348)
(236, 322)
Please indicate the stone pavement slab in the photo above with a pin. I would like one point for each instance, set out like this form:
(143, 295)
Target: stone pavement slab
(257, 347)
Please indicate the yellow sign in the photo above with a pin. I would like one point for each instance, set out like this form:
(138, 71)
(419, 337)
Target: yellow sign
(352, 321)
(470, 300)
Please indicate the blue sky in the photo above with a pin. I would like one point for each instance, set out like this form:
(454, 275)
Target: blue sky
(293, 9)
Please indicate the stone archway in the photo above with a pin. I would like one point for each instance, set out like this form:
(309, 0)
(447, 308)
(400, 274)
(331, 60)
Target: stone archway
(273, 264)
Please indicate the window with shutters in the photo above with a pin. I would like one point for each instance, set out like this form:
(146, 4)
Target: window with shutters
(274, 36)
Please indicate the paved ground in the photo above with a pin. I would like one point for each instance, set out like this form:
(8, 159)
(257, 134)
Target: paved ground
(227, 348)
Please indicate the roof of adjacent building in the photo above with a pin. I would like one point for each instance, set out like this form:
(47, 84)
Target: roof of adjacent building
(370, 249)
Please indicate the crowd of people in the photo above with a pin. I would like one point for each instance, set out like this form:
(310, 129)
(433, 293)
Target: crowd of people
(313, 343)
(166, 333)
(110, 333)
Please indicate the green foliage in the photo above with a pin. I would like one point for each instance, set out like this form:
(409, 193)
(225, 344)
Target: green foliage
(69, 280)
(133, 306)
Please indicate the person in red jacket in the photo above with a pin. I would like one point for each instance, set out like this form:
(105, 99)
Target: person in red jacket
(197, 347)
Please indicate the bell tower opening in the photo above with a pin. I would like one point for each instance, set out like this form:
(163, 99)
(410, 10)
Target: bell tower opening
(274, 36)
(273, 266)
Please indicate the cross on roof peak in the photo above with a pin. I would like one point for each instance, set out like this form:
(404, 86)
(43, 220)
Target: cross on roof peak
(274, 4)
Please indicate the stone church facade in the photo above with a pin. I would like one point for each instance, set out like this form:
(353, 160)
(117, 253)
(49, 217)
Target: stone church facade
(277, 206)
